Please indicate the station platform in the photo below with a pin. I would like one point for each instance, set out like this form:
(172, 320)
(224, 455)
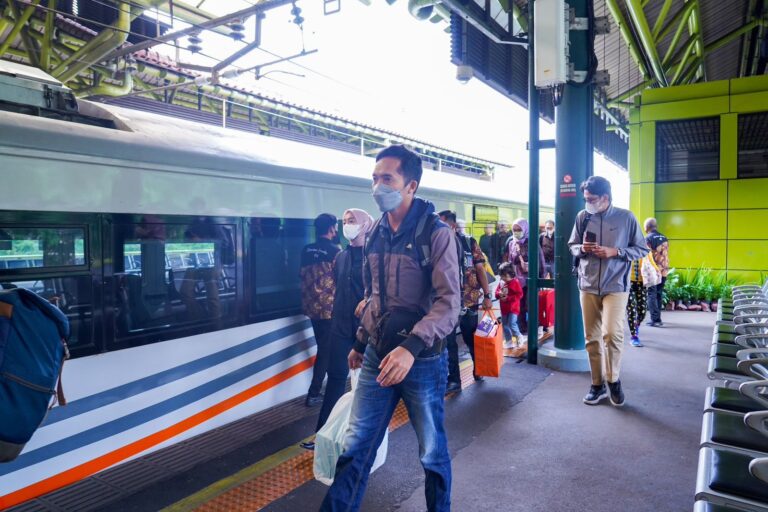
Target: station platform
(523, 442)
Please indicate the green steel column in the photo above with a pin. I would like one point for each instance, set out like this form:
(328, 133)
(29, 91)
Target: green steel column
(533, 197)
(573, 147)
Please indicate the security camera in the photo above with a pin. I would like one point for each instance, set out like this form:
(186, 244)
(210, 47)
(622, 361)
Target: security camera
(464, 73)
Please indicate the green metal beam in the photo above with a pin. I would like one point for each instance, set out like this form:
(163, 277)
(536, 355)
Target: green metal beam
(646, 40)
(682, 22)
(20, 22)
(695, 30)
(47, 43)
(109, 37)
(616, 102)
(679, 17)
(659, 23)
(687, 53)
(629, 39)
(748, 42)
(733, 36)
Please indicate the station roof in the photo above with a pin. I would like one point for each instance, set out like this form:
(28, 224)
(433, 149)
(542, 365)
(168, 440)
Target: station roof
(652, 43)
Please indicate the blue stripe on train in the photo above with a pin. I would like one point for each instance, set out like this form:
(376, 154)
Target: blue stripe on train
(152, 412)
(130, 389)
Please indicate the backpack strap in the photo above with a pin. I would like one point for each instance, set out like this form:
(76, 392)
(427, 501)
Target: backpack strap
(423, 239)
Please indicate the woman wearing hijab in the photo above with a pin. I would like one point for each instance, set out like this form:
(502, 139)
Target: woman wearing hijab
(348, 274)
(518, 256)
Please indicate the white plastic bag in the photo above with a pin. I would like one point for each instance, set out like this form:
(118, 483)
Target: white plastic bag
(329, 441)
(650, 272)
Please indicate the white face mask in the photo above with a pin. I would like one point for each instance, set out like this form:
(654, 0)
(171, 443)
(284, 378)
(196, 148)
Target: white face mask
(550, 231)
(596, 207)
(518, 235)
(351, 231)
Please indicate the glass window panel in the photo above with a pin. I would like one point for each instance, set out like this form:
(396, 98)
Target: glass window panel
(72, 294)
(275, 255)
(22, 247)
(179, 275)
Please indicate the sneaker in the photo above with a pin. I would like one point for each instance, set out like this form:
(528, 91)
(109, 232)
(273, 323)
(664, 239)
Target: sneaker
(596, 393)
(312, 401)
(509, 343)
(453, 387)
(617, 395)
(636, 342)
(308, 445)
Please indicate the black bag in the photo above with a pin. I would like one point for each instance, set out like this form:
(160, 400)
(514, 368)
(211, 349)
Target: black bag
(393, 328)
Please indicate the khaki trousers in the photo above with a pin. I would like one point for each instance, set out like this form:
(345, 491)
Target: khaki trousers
(604, 317)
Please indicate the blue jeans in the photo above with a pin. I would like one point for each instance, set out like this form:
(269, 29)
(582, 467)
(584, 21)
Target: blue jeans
(509, 322)
(423, 392)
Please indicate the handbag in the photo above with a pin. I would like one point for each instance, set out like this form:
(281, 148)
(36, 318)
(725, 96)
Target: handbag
(489, 346)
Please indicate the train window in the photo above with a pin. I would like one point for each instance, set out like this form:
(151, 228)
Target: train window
(49, 247)
(275, 257)
(688, 150)
(174, 275)
(73, 294)
(753, 145)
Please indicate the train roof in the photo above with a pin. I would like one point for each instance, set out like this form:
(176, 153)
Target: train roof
(160, 141)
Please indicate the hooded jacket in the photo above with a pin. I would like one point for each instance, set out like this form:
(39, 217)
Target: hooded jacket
(434, 291)
(615, 227)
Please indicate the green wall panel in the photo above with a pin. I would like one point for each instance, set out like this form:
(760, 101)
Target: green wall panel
(685, 92)
(691, 195)
(750, 84)
(647, 148)
(692, 225)
(748, 255)
(688, 109)
(752, 102)
(729, 146)
(748, 224)
(751, 193)
(697, 253)
(642, 200)
(748, 276)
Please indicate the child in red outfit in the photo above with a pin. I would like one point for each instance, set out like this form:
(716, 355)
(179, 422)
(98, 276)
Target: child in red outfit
(509, 293)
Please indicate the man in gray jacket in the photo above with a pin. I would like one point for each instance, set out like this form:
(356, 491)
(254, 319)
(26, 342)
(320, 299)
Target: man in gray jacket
(605, 240)
(412, 302)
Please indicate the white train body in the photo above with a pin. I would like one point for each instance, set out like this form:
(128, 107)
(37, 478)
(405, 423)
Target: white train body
(130, 398)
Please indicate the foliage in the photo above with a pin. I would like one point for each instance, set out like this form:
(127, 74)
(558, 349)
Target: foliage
(698, 284)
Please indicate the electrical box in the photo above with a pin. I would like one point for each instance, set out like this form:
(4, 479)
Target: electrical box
(552, 22)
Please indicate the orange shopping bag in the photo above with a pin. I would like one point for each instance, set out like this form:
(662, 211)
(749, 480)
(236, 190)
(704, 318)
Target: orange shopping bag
(488, 346)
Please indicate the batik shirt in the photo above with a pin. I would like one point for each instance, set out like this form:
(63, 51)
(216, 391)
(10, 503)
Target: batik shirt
(317, 283)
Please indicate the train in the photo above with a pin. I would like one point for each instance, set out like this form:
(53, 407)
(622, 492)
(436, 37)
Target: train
(173, 248)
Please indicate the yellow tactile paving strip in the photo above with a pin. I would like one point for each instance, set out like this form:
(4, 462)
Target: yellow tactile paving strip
(272, 478)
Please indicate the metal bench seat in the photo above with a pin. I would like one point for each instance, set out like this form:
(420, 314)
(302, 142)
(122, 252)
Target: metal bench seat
(703, 506)
(722, 429)
(725, 478)
(724, 349)
(731, 401)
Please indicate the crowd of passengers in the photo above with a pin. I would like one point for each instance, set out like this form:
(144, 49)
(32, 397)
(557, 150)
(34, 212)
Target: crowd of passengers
(391, 301)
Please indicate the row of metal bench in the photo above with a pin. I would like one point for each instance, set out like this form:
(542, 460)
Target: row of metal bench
(733, 460)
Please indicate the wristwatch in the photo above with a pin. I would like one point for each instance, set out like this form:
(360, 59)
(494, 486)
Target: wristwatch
(487, 296)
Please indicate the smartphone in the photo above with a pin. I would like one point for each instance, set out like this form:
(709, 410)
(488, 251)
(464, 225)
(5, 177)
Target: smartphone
(590, 237)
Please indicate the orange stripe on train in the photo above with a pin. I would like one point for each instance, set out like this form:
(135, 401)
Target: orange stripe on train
(110, 459)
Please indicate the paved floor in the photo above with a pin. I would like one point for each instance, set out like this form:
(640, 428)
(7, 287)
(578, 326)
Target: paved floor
(525, 442)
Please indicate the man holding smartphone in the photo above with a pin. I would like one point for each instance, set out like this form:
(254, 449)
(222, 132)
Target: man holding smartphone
(606, 240)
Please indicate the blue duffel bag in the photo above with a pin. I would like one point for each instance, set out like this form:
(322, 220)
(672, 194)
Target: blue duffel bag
(33, 347)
